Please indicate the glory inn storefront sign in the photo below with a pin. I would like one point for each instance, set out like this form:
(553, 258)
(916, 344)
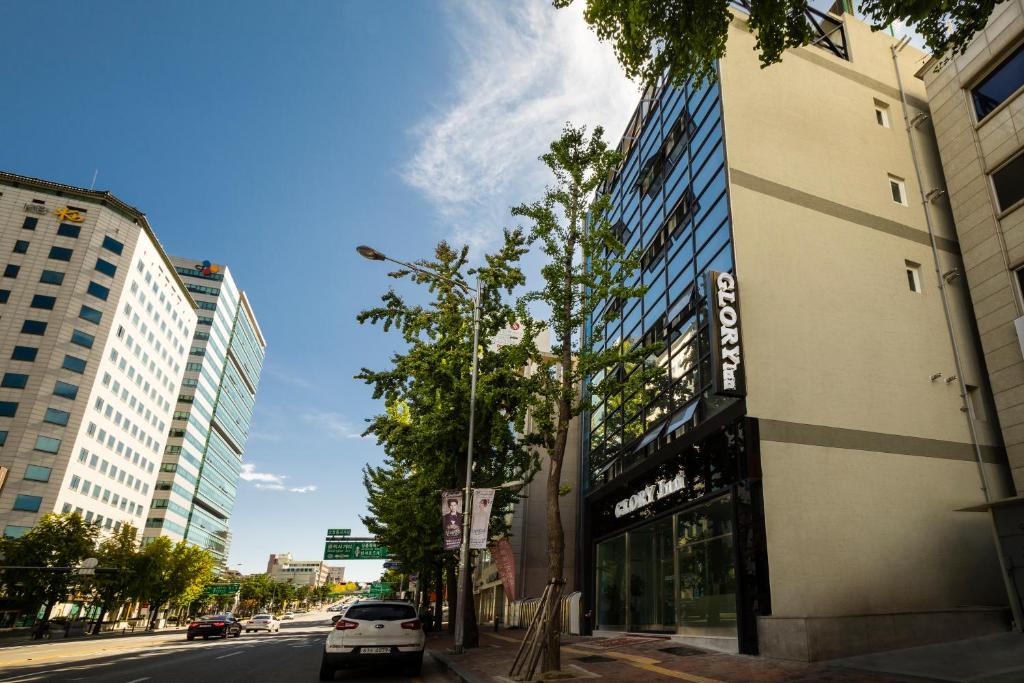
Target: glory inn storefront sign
(649, 494)
(725, 335)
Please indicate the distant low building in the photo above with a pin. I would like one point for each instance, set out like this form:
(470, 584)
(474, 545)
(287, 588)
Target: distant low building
(335, 575)
(282, 567)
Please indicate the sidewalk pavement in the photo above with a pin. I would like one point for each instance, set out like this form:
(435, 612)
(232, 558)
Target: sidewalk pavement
(648, 659)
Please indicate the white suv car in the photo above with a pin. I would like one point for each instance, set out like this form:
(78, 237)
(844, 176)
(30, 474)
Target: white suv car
(375, 632)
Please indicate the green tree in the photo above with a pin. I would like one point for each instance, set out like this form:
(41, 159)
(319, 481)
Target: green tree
(686, 37)
(56, 541)
(118, 552)
(424, 427)
(586, 264)
(259, 588)
(172, 574)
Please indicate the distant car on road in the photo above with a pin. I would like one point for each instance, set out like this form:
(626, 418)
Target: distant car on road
(263, 622)
(287, 616)
(374, 632)
(215, 625)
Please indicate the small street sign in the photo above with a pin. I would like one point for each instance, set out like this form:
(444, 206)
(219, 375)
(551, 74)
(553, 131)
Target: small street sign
(354, 550)
(338, 532)
(222, 588)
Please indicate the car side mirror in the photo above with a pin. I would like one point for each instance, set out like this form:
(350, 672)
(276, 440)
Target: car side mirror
(334, 619)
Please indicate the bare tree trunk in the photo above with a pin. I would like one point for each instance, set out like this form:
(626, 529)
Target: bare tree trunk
(439, 597)
(470, 628)
(453, 593)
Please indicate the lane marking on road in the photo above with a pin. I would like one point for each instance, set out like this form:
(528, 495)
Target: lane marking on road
(138, 680)
(230, 654)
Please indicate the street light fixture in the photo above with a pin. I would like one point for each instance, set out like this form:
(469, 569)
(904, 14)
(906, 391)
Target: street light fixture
(460, 621)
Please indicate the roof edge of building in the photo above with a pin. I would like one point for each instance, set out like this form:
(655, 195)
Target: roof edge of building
(244, 298)
(104, 198)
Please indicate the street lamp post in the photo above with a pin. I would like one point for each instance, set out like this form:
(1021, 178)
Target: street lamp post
(467, 506)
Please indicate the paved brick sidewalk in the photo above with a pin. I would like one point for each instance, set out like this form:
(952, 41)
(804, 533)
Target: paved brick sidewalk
(650, 660)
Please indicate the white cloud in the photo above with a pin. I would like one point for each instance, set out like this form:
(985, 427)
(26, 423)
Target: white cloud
(333, 423)
(267, 481)
(526, 69)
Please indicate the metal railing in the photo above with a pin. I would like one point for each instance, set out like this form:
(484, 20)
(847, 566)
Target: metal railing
(521, 613)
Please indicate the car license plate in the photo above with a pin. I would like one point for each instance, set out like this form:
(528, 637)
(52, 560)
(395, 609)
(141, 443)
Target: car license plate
(374, 650)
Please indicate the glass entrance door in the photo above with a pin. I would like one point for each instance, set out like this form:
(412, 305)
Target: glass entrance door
(611, 584)
(652, 578)
(707, 570)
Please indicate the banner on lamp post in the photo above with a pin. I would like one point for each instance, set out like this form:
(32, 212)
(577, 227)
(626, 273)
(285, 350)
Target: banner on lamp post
(451, 519)
(483, 500)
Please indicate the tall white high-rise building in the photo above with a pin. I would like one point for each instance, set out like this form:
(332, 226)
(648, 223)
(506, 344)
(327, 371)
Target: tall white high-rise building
(95, 334)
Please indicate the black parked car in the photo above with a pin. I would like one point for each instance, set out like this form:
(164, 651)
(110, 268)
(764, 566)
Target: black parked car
(219, 625)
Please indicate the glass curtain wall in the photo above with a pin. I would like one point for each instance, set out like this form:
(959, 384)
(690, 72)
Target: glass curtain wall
(611, 584)
(707, 569)
(669, 201)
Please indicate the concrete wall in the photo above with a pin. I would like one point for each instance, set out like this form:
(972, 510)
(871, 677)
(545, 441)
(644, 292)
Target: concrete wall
(992, 242)
(864, 456)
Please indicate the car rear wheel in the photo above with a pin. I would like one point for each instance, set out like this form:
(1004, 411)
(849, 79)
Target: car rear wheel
(414, 668)
(190, 637)
(326, 671)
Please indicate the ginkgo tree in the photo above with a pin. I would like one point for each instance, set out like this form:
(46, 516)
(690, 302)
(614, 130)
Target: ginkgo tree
(425, 391)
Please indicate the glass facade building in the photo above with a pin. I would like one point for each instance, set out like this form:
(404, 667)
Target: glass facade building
(669, 499)
(203, 458)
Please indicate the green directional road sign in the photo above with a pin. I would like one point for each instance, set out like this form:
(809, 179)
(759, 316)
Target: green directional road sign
(339, 532)
(222, 588)
(354, 550)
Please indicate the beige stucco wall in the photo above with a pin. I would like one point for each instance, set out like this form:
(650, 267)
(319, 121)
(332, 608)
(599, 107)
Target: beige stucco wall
(865, 458)
(992, 243)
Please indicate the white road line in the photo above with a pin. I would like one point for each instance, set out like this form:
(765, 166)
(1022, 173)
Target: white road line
(230, 654)
(137, 680)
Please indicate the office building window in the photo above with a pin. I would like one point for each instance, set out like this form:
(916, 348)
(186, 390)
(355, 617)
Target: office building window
(30, 223)
(13, 380)
(1008, 181)
(82, 339)
(998, 86)
(882, 113)
(51, 277)
(44, 302)
(106, 267)
(60, 254)
(3, 438)
(65, 390)
(98, 291)
(37, 473)
(8, 408)
(57, 417)
(11, 270)
(27, 503)
(112, 245)
(69, 230)
(47, 444)
(21, 247)
(90, 314)
(25, 353)
(33, 327)
(74, 364)
(5, 294)
(898, 188)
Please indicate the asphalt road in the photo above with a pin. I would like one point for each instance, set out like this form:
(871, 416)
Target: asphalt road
(293, 656)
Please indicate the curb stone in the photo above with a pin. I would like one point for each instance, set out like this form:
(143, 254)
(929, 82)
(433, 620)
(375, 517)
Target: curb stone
(452, 664)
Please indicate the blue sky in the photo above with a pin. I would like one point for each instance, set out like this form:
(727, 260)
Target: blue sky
(276, 139)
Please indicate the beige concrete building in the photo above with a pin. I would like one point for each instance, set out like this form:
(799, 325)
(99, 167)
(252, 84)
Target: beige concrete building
(283, 567)
(977, 113)
(795, 491)
(335, 575)
(94, 328)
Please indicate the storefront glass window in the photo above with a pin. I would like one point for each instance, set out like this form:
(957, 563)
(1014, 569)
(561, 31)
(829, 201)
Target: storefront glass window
(611, 584)
(652, 578)
(707, 569)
